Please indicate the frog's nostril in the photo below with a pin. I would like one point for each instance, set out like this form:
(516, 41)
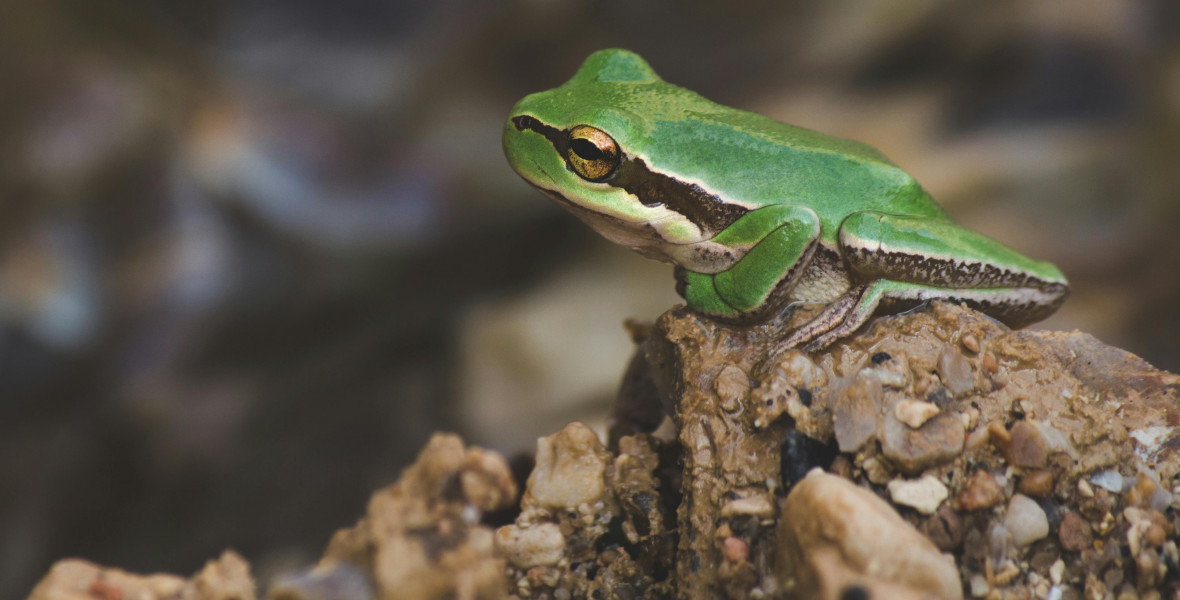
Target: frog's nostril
(523, 122)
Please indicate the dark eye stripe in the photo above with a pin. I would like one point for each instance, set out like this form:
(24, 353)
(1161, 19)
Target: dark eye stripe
(703, 209)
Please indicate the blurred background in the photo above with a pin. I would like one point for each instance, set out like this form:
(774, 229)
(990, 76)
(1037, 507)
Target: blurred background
(253, 252)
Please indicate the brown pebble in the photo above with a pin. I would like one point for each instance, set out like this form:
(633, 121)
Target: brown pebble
(1155, 535)
(735, 550)
(1028, 447)
(841, 466)
(970, 342)
(981, 492)
(1074, 532)
(944, 528)
(1038, 484)
(989, 362)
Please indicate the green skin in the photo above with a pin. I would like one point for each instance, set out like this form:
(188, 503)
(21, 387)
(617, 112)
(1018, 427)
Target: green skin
(758, 214)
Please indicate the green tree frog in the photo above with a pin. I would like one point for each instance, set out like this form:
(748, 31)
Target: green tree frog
(757, 214)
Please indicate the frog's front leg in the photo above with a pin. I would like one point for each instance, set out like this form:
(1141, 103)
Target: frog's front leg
(781, 240)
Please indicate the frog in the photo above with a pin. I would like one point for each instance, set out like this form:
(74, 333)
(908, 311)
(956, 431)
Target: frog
(759, 216)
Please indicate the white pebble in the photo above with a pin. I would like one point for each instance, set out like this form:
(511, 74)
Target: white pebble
(914, 412)
(1025, 520)
(1110, 480)
(979, 586)
(924, 494)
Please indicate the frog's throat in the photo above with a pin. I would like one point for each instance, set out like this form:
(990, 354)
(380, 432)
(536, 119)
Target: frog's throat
(708, 212)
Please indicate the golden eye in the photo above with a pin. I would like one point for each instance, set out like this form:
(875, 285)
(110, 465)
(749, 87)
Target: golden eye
(593, 154)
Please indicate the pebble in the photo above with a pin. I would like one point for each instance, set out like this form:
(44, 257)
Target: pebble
(759, 506)
(569, 470)
(735, 550)
(801, 371)
(1027, 448)
(825, 513)
(915, 412)
(979, 585)
(854, 413)
(1110, 480)
(981, 491)
(939, 441)
(970, 342)
(1025, 520)
(1084, 489)
(1038, 484)
(1074, 532)
(955, 371)
(890, 378)
(538, 545)
(924, 495)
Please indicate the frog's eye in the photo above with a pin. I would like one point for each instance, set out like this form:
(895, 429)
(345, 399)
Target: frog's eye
(592, 153)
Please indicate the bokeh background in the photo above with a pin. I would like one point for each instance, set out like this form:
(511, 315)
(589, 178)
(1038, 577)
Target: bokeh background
(252, 252)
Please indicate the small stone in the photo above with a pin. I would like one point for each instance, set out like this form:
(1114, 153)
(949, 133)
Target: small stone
(1057, 571)
(1084, 489)
(939, 441)
(731, 386)
(944, 528)
(735, 550)
(1109, 480)
(978, 585)
(981, 492)
(1073, 532)
(955, 371)
(876, 471)
(569, 470)
(801, 372)
(538, 545)
(1156, 535)
(854, 412)
(888, 377)
(970, 342)
(989, 362)
(914, 412)
(1025, 520)
(1038, 484)
(825, 513)
(1027, 447)
(924, 495)
(759, 506)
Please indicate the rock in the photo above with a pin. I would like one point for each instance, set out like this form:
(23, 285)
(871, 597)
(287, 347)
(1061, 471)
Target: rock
(914, 413)
(955, 371)
(1038, 484)
(227, 578)
(923, 495)
(569, 470)
(1025, 520)
(826, 513)
(938, 441)
(1109, 480)
(980, 492)
(332, 582)
(420, 538)
(537, 545)
(1027, 447)
(734, 549)
(854, 412)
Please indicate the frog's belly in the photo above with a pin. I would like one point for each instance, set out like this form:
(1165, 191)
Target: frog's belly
(823, 280)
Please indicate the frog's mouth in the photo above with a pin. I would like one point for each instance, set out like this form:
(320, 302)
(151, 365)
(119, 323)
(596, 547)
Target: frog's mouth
(643, 238)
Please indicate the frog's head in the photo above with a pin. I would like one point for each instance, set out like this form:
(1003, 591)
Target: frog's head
(593, 146)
